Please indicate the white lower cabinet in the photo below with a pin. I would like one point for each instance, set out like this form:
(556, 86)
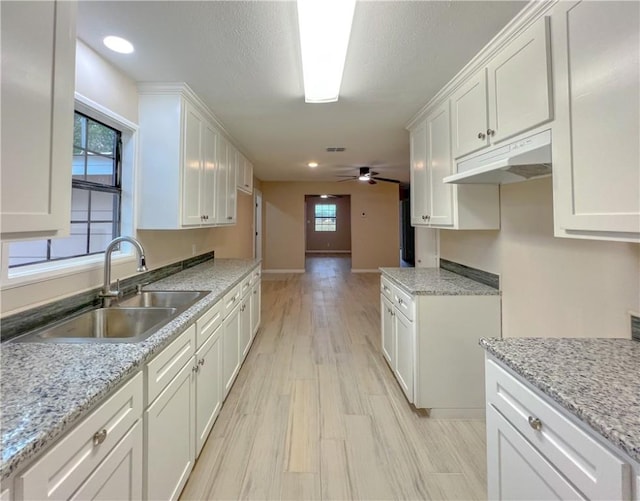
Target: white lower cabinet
(244, 336)
(119, 476)
(231, 351)
(169, 426)
(535, 451)
(105, 444)
(431, 344)
(256, 303)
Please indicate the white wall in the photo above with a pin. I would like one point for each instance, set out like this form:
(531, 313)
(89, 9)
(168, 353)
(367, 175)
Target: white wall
(551, 287)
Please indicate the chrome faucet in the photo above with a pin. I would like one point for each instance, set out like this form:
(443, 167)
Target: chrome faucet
(107, 293)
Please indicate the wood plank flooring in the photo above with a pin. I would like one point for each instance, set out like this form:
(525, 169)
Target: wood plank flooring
(316, 413)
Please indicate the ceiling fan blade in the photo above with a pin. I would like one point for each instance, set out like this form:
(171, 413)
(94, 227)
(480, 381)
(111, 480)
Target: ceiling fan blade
(342, 175)
(387, 180)
(350, 179)
(371, 181)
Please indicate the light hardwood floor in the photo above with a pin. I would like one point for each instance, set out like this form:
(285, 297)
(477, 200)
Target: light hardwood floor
(316, 413)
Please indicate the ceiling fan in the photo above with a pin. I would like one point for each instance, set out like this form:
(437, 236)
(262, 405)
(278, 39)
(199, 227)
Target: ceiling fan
(366, 174)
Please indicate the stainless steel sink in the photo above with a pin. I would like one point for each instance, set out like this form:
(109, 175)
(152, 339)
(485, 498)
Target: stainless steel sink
(161, 299)
(104, 324)
(129, 321)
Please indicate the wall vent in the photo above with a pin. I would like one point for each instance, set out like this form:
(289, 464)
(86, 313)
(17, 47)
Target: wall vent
(335, 149)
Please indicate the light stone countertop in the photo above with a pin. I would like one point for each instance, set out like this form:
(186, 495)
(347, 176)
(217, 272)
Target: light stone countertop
(47, 388)
(596, 380)
(437, 282)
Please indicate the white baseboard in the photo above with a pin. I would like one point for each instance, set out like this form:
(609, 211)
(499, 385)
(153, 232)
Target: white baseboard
(457, 413)
(296, 270)
(364, 270)
(328, 252)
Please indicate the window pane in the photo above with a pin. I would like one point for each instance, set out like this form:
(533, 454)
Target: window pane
(78, 164)
(101, 139)
(101, 235)
(73, 245)
(100, 169)
(79, 205)
(79, 133)
(32, 251)
(104, 206)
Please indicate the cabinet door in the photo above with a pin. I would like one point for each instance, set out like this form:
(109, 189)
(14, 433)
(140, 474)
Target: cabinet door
(516, 470)
(388, 330)
(596, 136)
(469, 116)
(245, 326)
(256, 300)
(208, 386)
(38, 68)
(192, 168)
(405, 353)
(119, 476)
(420, 191)
(247, 184)
(231, 186)
(221, 181)
(439, 165)
(230, 349)
(170, 425)
(209, 167)
(520, 83)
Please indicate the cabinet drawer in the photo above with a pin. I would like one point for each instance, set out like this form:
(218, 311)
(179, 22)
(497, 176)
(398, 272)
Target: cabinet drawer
(596, 472)
(245, 285)
(404, 302)
(168, 363)
(386, 288)
(59, 473)
(255, 275)
(208, 323)
(232, 299)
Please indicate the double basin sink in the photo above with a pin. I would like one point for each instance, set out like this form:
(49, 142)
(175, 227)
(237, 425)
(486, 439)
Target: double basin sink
(128, 320)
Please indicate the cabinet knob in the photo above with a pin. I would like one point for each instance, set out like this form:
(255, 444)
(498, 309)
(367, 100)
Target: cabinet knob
(229, 218)
(535, 423)
(400, 301)
(481, 135)
(99, 437)
(491, 132)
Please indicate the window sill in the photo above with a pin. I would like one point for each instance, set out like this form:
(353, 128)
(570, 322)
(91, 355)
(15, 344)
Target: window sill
(43, 272)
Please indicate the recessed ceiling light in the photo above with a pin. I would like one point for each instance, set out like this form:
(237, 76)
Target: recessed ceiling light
(312, 164)
(118, 44)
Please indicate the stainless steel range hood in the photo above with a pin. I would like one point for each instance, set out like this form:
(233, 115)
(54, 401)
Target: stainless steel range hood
(521, 160)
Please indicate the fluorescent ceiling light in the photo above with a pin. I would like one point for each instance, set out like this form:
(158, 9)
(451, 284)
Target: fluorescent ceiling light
(118, 44)
(312, 164)
(325, 28)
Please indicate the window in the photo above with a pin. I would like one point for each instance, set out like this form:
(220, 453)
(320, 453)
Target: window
(325, 215)
(96, 194)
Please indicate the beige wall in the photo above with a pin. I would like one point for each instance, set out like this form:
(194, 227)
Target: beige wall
(329, 241)
(101, 82)
(374, 235)
(552, 287)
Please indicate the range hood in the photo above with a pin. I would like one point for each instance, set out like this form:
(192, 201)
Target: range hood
(527, 158)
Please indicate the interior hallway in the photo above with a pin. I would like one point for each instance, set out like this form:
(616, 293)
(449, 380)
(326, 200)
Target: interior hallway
(316, 413)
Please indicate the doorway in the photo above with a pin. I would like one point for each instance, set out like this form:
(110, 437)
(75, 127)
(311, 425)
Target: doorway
(328, 224)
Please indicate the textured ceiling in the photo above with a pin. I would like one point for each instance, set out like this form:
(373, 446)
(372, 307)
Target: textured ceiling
(243, 59)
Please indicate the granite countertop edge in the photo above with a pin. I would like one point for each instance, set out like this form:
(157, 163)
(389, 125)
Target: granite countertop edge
(625, 442)
(436, 282)
(17, 452)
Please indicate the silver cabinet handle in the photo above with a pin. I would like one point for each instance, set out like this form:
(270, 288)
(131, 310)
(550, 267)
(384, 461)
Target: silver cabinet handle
(99, 437)
(201, 361)
(535, 423)
(195, 369)
(491, 132)
(481, 135)
(400, 301)
(229, 218)
(255, 291)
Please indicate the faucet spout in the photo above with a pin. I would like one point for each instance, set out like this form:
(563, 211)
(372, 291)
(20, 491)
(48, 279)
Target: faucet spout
(107, 292)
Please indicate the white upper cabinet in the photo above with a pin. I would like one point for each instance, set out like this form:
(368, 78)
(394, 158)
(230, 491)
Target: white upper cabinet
(245, 175)
(226, 183)
(438, 205)
(37, 93)
(510, 95)
(183, 162)
(596, 135)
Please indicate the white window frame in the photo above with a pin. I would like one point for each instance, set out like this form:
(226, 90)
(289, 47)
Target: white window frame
(40, 272)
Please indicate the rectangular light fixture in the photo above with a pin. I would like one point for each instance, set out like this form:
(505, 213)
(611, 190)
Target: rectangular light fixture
(325, 28)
